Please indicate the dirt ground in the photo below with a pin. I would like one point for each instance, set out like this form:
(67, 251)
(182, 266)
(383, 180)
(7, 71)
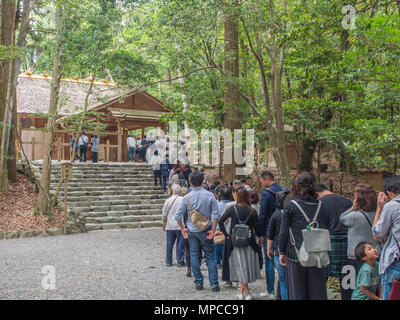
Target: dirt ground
(16, 206)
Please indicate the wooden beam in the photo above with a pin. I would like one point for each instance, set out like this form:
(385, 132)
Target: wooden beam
(125, 150)
(119, 142)
(33, 149)
(108, 151)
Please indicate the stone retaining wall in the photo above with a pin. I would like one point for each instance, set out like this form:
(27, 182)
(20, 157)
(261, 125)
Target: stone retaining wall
(31, 234)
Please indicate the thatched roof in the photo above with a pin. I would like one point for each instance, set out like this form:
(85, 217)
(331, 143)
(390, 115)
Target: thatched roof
(33, 94)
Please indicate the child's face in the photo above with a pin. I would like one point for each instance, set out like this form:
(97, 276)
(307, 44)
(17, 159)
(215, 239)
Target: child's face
(370, 253)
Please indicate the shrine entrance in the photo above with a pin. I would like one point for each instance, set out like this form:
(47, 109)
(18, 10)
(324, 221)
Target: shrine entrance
(137, 111)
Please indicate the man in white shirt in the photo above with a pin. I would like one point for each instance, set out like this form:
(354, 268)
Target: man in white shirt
(155, 162)
(83, 143)
(131, 142)
(150, 138)
(170, 225)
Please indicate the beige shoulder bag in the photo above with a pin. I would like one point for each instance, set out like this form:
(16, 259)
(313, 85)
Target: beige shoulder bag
(197, 218)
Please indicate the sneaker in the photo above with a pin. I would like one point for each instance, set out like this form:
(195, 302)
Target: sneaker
(180, 265)
(216, 289)
(169, 264)
(199, 287)
(250, 297)
(240, 296)
(264, 294)
(270, 295)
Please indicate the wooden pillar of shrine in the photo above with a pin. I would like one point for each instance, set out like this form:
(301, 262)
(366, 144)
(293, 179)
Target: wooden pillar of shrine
(125, 155)
(119, 151)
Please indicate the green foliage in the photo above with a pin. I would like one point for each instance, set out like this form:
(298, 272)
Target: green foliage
(8, 53)
(340, 87)
(93, 122)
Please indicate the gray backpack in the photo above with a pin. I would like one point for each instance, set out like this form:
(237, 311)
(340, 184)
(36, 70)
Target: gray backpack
(240, 232)
(314, 252)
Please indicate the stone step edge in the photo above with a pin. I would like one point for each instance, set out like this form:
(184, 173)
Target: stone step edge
(126, 225)
(104, 214)
(143, 218)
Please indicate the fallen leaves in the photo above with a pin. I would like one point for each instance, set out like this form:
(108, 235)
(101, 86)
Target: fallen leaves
(16, 206)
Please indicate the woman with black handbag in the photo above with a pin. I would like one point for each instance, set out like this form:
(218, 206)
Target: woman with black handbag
(243, 261)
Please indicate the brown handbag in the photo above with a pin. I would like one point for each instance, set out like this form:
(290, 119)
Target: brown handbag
(219, 237)
(197, 218)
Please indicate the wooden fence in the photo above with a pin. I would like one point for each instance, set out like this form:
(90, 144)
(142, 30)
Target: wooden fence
(34, 149)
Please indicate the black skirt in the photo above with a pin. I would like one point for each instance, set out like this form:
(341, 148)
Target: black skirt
(225, 261)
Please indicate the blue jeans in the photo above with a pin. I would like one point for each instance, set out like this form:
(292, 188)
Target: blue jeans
(218, 248)
(195, 239)
(269, 270)
(282, 277)
(132, 154)
(392, 273)
(172, 236)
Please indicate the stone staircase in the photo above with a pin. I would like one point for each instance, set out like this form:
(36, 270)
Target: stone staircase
(112, 195)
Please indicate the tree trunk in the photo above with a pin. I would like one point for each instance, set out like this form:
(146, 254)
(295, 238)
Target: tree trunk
(21, 41)
(7, 39)
(306, 155)
(277, 58)
(43, 202)
(12, 152)
(184, 103)
(232, 96)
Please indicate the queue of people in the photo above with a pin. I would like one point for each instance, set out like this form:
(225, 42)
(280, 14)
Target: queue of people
(138, 149)
(82, 146)
(307, 232)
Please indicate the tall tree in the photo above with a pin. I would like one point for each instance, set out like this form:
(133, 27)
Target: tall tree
(232, 117)
(8, 15)
(16, 66)
(43, 202)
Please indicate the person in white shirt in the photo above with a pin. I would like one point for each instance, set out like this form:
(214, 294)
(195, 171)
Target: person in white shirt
(183, 157)
(171, 227)
(83, 143)
(131, 142)
(150, 138)
(155, 162)
(160, 143)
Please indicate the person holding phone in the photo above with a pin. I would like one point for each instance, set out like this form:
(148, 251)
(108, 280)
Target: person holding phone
(387, 224)
(358, 219)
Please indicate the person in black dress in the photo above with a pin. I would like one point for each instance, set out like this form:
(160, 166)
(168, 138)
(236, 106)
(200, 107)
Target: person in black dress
(244, 261)
(303, 283)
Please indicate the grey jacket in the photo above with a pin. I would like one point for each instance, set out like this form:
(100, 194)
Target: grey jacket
(359, 229)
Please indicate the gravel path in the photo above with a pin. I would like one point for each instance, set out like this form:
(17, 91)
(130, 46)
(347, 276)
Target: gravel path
(100, 265)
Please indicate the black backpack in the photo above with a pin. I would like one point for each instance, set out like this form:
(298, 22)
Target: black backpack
(279, 196)
(240, 232)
